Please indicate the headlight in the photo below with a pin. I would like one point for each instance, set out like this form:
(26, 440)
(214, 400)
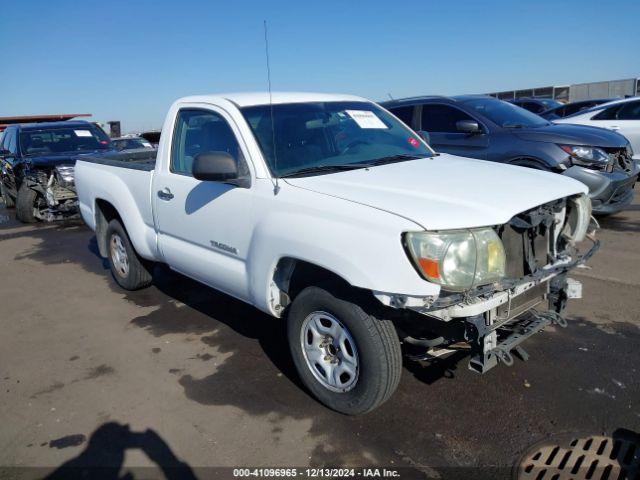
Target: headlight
(587, 156)
(579, 218)
(458, 259)
(629, 150)
(66, 173)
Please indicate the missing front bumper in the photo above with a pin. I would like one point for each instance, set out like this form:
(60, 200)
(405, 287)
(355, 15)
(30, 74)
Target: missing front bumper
(497, 343)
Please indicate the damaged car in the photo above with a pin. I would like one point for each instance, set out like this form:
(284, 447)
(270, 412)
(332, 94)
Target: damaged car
(330, 213)
(37, 167)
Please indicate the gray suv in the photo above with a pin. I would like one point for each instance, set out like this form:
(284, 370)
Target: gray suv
(490, 129)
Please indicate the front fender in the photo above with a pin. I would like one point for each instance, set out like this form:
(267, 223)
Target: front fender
(359, 244)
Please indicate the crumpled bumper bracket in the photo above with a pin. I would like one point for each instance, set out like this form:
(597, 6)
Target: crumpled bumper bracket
(486, 357)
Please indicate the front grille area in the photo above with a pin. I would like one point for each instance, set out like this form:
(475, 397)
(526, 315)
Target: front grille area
(527, 239)
(526, 250)
(620, 159)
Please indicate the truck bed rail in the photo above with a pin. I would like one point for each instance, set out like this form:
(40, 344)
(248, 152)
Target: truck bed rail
(139, 159)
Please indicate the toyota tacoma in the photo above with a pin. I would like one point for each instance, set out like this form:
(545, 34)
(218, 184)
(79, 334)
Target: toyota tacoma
(329, 212)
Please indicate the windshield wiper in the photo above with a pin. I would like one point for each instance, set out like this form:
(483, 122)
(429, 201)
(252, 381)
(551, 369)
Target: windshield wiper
(392, 159)
(323, 169)
(351, 166)
(512, 125)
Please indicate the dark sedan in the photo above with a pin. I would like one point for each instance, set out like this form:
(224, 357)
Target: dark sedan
(536, 105)
(490, 129)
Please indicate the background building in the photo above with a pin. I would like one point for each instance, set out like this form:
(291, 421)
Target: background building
(579, 91)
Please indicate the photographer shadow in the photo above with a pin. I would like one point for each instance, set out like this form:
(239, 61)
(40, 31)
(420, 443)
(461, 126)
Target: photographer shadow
(104, 456)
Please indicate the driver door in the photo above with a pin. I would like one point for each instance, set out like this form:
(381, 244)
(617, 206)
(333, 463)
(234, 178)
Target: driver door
(440, 120)
(204, 227)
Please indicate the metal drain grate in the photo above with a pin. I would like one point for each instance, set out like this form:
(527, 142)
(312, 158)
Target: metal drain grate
(590, 458)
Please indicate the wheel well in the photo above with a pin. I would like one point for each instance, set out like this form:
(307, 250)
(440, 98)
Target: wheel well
(105, 212)
(291, 276)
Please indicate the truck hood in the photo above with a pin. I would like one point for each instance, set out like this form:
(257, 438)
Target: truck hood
(446, 191)
(572, 135)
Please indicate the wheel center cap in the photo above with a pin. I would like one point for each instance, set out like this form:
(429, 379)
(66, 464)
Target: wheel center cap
(330, 350)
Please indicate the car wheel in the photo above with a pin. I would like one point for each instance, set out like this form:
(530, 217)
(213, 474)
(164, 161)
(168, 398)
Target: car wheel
(349, 360)
(29, 205)
(6, 198)
(129, 270)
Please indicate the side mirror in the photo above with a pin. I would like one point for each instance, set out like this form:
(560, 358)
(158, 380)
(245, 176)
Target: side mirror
(215, 167)
(425, 136)
(468, 126)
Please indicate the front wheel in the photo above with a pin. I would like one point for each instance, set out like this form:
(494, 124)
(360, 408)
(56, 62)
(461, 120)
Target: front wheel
(348, 359)
(129, 270)
(29, 205)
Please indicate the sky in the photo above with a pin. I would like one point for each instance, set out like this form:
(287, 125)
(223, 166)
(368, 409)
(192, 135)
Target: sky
(129, 60)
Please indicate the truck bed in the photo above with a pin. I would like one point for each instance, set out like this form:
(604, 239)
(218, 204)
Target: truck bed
(122, 180)
(139, 159)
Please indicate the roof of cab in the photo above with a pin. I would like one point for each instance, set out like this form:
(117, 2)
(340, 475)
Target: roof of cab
(411, 101)
(249, 99)
(49, 125)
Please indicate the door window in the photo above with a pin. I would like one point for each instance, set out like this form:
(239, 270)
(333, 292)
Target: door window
(442, 118)
(629, 111)
(203, 131)
(10, 142)
(405, 114)
(607, 114)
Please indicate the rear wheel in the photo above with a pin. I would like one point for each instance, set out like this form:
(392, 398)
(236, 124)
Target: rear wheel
(348, 359)
(129, 270)
(29, 205)
(8, 200)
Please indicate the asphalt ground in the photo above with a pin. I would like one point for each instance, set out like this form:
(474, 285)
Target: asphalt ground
(175, 379)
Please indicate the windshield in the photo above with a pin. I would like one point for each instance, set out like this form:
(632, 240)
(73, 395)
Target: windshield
(506, 114)
(323, 134)
(550, 103)
(52, 141)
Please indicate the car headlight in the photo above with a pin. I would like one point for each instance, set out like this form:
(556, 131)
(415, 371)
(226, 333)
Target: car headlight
(66, 173)
(458, 259)
(629, 150)
(587, 156)
(579, 218)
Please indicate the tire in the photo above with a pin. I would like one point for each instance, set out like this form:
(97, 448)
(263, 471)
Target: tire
(376, 350)
(129, 270)
(8, 200)
(25, 204)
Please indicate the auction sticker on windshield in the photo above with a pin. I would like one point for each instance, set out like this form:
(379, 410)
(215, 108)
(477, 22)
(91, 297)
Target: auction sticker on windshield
(83, 133)
(366, 119)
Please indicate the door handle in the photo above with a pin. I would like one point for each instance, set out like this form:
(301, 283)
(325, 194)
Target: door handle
(165, 194)
(614, 127)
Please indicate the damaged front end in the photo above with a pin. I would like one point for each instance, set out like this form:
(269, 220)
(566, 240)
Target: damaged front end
(56, 196)
(492, 320)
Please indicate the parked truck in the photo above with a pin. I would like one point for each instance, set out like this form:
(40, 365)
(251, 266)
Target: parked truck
(329, 212)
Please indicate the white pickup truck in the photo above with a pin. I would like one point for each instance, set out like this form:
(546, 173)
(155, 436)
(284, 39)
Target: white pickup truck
(328, 211)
